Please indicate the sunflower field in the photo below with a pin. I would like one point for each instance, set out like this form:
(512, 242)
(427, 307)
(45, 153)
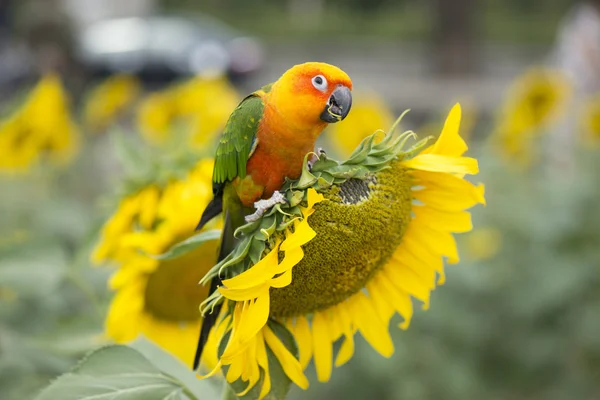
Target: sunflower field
(451, 256)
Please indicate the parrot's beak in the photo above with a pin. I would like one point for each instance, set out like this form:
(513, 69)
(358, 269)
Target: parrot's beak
(338, 105)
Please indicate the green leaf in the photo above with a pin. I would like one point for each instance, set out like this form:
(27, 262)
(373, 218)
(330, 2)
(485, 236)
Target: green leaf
(116, 372)
(189, 244)
(171, 366)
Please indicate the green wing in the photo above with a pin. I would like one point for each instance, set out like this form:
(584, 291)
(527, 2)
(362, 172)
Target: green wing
(238, 140)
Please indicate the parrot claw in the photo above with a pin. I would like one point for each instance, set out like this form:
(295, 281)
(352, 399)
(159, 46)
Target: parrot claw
(319, 153)
(263, 205)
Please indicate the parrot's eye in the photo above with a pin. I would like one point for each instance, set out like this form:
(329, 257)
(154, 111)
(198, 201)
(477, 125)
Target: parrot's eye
(320, 82)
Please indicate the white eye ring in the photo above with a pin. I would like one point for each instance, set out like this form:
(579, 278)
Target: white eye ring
(320, 83)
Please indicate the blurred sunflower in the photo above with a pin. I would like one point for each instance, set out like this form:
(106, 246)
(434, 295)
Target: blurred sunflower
(108, 100)
(536, 99)
(369, 113)
(159, 298)
(353, 245)
(42, 127)
(591, 121)
(483, 243)
(201, 105)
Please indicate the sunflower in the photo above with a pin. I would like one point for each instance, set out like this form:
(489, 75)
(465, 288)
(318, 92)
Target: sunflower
(536, 99)
(154, 297)
(109, 99)
(201, 106)
(41, 127)
(355, 242)
(369, 113)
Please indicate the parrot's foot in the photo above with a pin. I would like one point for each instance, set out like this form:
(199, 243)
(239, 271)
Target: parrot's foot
(319, 153)
(263, 205)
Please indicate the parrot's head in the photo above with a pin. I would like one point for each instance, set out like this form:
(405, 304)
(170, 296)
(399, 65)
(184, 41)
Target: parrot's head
(313, 94)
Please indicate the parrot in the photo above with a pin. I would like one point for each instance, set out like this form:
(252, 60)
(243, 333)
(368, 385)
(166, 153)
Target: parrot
(264, 141)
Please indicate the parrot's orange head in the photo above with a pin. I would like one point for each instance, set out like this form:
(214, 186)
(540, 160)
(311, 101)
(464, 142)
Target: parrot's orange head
(313, 94)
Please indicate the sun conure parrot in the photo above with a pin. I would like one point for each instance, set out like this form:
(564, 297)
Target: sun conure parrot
(264, 141)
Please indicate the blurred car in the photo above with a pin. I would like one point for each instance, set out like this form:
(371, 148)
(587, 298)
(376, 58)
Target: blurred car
(163, 48)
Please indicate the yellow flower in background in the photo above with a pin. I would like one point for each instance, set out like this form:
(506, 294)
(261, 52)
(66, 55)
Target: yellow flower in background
(109, 99)
(159, 298)
(536, 99)
(369, 113)
(42, 127)
(359, 254)
(590, 121)
(200, 107)
(483, 243)
(156, 116)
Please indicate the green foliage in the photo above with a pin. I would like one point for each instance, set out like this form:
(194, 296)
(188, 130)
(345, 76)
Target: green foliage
(145, 165)
(121, 372)
(51, 303)
(190, 244)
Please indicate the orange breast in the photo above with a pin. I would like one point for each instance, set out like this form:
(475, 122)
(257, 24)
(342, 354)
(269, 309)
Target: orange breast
(279, 154)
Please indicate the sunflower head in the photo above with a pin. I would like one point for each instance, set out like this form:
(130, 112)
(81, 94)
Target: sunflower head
(535, 100)
(198, 107)
(41, 128)
(158, 297)
(108, 100)
(355, 242)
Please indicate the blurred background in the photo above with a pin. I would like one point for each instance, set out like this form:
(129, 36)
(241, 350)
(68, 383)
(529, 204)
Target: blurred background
(108, 103)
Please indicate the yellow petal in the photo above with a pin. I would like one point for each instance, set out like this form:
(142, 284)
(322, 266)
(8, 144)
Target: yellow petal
(323, 352)
(303, 336)
(447, 185)
(263, 361)
(148, 206)
(291, 258)
(407, 281)
(303, 233)
(235, 369)
(290, 365)
(450, 143)
(439, 163)
(346, 351)
(244, 294)
(436, 242)
(211, 373)
(256, 275)
(425, 272)
(282, 280)
(423, 253)
(374, 330)
(383, 308)
(254, 318)
(457, 222)
(313, 197)
(252, 371)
